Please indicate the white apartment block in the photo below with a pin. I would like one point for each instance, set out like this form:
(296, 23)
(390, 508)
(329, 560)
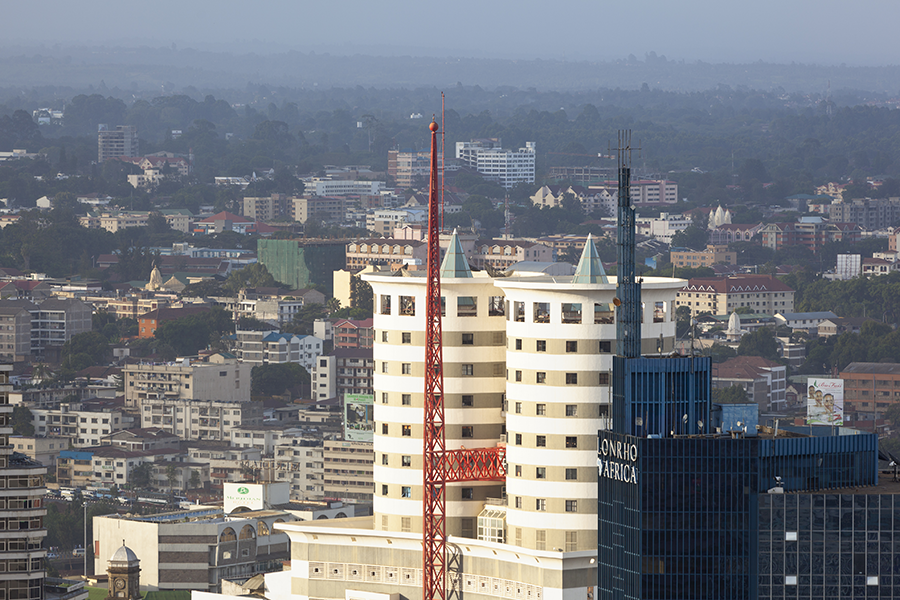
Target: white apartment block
(264, 437)
(194, 419)
(506, 167)
(219, 377)
(300, 463)
(324, 378)
(271, 347)
(85, 423)
(663, 228)
(644, 191)
(342, 187)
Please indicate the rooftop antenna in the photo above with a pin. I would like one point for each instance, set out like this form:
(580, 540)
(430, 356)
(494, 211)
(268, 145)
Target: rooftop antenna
(628, 291)
(441, 171)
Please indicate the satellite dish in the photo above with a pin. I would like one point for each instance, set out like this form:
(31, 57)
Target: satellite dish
(684, 419)
(617, 302)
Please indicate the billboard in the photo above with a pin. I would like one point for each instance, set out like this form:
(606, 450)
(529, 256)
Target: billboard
(359, 417)
(825, 402)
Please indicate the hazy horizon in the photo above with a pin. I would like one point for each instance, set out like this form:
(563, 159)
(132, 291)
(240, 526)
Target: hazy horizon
(802, 31)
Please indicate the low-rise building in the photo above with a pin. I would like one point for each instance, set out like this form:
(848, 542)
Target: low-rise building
(354, 371)
(220, 376)
(685, 257)
(354, 333)
(74, 468)
(870, 389)
(196, 549)
(263, 436)
(143, 439)
(644, 192)
(348, 471)
(729, 233)
(390, 252)
(324, 378)
(15, 334)
(227, 464)
(272, 347)
(764, 380)
(810, 232)
(44, 450)
(808, 321)
(300, 461)
(85, 423)
(719, 296)
(839, 325)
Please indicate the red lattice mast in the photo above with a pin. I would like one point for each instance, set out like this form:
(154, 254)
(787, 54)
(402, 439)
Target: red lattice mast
(434, 472)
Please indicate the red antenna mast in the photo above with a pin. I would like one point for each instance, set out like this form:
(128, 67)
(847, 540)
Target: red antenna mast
(442, 466)
(434, 472)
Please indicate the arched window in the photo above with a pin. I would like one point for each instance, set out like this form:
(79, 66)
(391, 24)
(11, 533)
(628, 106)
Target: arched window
(247, 532)
(262, 528)
(227, 535)
(340, 515)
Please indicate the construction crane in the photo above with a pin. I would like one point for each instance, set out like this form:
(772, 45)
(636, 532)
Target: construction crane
(442, 466)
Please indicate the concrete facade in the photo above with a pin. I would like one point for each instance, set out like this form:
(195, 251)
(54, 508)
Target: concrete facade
(220, 377)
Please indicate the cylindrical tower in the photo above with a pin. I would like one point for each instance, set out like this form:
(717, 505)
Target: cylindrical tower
(561, 337)
(474, 385)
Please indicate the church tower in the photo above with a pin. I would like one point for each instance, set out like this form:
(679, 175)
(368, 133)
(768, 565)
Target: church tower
(124, 571)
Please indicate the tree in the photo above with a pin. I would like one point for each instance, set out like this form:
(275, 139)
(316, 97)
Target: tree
(22, 421)
(140, 475)
(720, 353)
(274, 379)
(84, 350)
(302, 324)
(693, 237)
(761, 342)
(361, 295)
(171, 476)
(252, 276)
(195, 482)
(734, 394)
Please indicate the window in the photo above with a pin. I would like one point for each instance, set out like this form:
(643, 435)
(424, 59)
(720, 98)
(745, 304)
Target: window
(406, 368)
(384, 367)
(406, 491)
(384, 490)
(540, 472)
(571, 313)
(571, 346)
(468, 339)
(540, 504)
(541, 441)
(603, 314)
(384, 397)
(405, 461)
(571, 378)
(384, 337)
(541, 312)
(467, 306)
(468, 370)
(408, 306)
(468, 400)
(406, 399)
(790, 580)
(384, 429)
(540, 409)
(540, 345)
(385, 304)
(468, 431)
(571, 410)
(571, 474)
(518, 344)
(603, 378)
(518, 408)
(518, 470)
(519, 312)
(540, 377)
(384, 459)
(518, 439)
(571, 541)
(406, 337)
(496, 306)
(405, 524)
(518, 375)
(605, 347)
(518, 502)
(468, 493)
(571, 441)
(406, 430)
(659, 312)
(571, 505)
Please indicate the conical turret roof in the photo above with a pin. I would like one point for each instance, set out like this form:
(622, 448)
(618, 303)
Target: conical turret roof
(455, 263)
(590, 268)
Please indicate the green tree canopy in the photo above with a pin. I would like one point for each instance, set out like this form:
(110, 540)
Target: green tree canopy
(734, 394)
(22, 420)
(251, 276)
(761, 342)
(273, 379)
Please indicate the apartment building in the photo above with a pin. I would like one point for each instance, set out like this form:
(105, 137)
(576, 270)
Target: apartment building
(272, 347)
(810, 232)
(353, 333)
(44, 450)
(506, 167)
(665, 227)
(22, 553)
(263, 436)
(499, 255)
(713, 255)
(85, 422)
(320, 208)
(219, 376)
(385, 222)
(644, 192)
(867, 213)
(410, 168)
(53, 322)
(300, 461)
(196, 419)
(390, 252)
(348, 471)
(266, 208)
(115, 143)
(318, 186)
(227, 464)
(74, 468)
(354, 371)
(870, 389)
(765, 294)
(15, 334)
(324, 378)
(113, 221)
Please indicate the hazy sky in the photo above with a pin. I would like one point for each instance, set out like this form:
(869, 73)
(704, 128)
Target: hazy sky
(861, 32)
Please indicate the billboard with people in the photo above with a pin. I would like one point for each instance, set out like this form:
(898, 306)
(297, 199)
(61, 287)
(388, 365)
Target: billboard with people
(359, 417)
(825, 402)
